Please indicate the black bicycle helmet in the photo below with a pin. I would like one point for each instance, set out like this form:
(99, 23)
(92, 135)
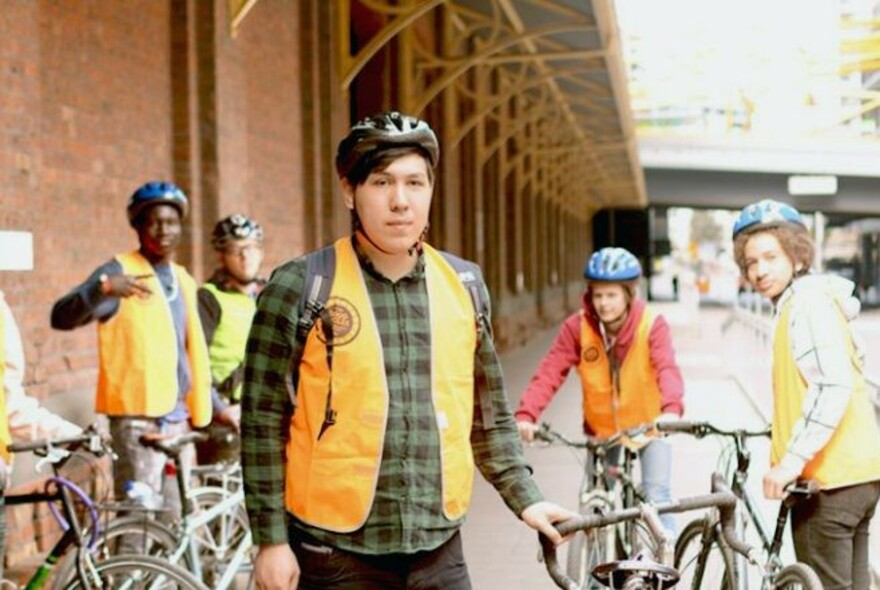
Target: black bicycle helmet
(382, 131)
(235, 227)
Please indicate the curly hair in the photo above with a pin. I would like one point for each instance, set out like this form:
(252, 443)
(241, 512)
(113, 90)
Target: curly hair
(794, 239)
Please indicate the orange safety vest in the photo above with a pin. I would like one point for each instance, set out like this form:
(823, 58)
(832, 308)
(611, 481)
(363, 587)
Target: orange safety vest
(137, 347)
(5, 436)
(331, 481)
(607, 410)
(852, 455)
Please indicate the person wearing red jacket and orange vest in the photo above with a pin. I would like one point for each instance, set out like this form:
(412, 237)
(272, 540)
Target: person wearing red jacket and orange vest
(626, 363)
(154, 374)
(824, 426)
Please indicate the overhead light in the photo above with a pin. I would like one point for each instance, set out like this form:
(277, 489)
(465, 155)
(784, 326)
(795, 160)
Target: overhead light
(812, 185)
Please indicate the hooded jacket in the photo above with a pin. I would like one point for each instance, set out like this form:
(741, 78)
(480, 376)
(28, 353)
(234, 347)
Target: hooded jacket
(566, 353)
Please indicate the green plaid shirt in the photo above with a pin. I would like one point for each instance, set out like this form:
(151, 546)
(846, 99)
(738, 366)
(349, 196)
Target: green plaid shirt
(406, 515)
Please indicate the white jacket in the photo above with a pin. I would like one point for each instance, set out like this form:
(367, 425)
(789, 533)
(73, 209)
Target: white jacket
(819, 347)
(27, 419)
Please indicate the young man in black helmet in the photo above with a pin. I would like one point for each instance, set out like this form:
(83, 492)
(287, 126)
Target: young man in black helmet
(358, 460)
(226, 308)
(153, 373)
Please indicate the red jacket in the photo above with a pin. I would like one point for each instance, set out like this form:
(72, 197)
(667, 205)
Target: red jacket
(566, 353)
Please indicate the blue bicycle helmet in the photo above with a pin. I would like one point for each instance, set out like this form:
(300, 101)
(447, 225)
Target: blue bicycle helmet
(383, 131)
(613, 265)
(156, 193)
(766, 212)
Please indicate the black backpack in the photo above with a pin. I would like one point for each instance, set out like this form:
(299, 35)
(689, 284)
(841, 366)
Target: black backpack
(320, 268)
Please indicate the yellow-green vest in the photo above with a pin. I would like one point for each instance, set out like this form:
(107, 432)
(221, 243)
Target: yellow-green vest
(607, 410)
(5, 437)
(226, 350)
(852, 455)
(137, 349)
(331, 482)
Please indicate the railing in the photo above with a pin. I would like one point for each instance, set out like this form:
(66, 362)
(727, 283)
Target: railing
(754, 315)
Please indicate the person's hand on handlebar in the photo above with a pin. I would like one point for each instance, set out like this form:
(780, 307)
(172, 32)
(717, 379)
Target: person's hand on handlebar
(541, 516)
(526, 430)
(667, 417)
(777, 479)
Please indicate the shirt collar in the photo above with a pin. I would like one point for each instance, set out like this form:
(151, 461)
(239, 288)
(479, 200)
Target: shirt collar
(416, 274)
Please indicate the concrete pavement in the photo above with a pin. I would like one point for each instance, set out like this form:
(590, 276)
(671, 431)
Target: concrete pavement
(502, 552)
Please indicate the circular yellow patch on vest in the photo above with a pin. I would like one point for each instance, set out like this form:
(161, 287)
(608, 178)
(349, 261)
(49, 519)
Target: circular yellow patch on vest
(346, 321)
(591, 355)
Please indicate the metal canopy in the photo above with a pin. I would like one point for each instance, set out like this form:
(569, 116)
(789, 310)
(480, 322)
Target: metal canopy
(540, 81)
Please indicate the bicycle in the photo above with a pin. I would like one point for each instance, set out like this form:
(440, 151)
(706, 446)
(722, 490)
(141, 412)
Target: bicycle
(604, 487)
(701, 547)
(124, 572)
(647, 569)
(211, 540)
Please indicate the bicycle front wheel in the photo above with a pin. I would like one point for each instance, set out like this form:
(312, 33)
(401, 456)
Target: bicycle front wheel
(138, 572)
(130, 535)
(704, 563)
(797, 576)
(587, 549)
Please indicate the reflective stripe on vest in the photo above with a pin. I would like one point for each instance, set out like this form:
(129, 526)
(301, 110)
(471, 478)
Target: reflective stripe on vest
(137, 349)
(331, 482)
(230, 336)
(5, 437)
(852, 455)
(638, 400)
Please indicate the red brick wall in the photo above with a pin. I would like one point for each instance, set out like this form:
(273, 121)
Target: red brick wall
(260, 126)
(90, 109)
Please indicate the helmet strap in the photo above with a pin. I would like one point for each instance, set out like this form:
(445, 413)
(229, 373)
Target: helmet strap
(418, 247)
(360, 229)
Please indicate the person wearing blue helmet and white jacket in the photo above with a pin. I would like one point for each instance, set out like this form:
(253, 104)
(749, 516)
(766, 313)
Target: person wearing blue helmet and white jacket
(624, 356)
(824, 427)
(154, 375)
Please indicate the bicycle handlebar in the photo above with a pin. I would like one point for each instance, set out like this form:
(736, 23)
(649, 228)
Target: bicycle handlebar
(90, 439)
(701, 429)
(546, 433)
(721, 498)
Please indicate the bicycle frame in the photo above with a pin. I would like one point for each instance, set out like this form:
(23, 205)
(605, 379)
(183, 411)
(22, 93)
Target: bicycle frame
(192, 520)
(772, 564)
(71, 537)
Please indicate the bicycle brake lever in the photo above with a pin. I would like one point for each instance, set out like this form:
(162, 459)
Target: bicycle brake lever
(53, 455)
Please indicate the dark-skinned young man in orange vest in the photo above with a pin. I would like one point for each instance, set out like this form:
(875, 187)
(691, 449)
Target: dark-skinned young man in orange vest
(154, 376)
(358, 463)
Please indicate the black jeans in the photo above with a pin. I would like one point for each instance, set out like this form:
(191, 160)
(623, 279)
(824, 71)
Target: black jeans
(830, 532)
(326, 567)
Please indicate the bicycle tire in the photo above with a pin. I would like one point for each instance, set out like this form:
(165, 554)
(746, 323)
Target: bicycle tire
(588, 549)
(136, 572)
(797, 576)
(216, 540)
(719, 570)
(158, 541)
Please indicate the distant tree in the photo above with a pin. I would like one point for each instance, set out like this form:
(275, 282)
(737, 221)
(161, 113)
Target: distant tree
(704, 228)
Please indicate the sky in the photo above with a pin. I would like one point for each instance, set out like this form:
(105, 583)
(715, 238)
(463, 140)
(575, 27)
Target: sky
(763, 67)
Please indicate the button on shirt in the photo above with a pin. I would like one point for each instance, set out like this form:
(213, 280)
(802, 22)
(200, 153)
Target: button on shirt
(406, 515)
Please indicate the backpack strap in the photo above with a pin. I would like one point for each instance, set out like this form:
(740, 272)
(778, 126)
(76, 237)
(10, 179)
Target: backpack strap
(320, 268)
(472, 278)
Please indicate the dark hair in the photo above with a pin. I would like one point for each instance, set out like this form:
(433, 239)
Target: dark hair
(794, 239)
(380, 159)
